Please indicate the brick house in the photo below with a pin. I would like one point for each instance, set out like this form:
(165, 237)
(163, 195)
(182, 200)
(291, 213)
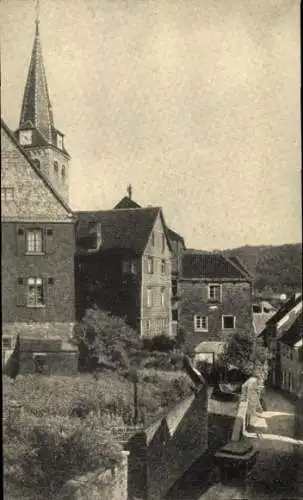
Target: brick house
(215, 297)
(37, 252)
(38, 228)
(123, 265)
(281, 335)
(177, 245)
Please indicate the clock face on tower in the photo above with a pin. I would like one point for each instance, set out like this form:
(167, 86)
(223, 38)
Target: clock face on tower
(25, 137)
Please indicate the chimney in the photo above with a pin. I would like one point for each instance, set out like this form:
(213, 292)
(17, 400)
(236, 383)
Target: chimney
(129, 191)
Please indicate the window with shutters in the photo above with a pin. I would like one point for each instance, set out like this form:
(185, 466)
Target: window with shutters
(35, 292)
(34, 241)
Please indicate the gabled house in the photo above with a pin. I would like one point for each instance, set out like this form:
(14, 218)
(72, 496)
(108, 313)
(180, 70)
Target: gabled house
(123, 265)
(177, 245)
(277, 328)
(291, 352)
(37, 262)
(216, 297)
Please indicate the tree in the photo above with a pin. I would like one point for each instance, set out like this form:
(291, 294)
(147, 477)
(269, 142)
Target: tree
(246, 352)
(104, 339)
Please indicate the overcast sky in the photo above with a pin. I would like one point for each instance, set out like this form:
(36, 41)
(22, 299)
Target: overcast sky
(196, 103)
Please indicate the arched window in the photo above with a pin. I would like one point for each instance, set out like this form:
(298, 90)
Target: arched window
(63, 173)
(36, 162)
(56, 168)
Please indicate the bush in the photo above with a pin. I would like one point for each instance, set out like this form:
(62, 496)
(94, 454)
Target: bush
(44, 453)
(161, 343)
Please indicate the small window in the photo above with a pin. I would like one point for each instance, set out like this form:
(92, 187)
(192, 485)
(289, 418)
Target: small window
(50, 281)
(56, 167)
(256, 309)
(20, 232)
(49, 232)
(149, 297)
(148, 324)
(34, 241)
(63, 172)
(229, 322)
(129, 266)
(214, 292)
(162, 297)
(162, 266)
(7, 193)
(200, 323)
(20, 281)
(35, 292)
(150, 265)
(174, 288)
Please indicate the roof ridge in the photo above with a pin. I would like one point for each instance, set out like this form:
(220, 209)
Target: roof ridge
(38, 172)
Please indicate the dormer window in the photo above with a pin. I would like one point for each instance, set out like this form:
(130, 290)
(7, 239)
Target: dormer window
(59, 141)
(26, 137)
(36, 162)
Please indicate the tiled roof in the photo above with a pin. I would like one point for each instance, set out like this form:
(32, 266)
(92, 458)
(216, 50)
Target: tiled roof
(294, 333)
(126, 229)
(202, 265)
(285, 309)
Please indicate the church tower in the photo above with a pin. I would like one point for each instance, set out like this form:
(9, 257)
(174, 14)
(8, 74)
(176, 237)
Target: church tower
(37, 134)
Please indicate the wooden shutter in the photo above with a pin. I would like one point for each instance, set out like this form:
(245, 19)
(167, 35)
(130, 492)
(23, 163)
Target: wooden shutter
(21, 291)
(20, 240)
(49, 239)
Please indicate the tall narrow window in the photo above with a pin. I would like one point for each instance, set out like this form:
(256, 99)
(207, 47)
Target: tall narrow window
(162, 297)
(34, 241)
(150, 265)
(162, 266)
(35, 292)
(149, 297)
(7, 193)
(56, 167)
(153, 239)
(63, 172)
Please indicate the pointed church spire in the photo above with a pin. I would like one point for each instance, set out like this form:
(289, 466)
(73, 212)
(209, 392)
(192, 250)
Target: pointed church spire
(36, 105)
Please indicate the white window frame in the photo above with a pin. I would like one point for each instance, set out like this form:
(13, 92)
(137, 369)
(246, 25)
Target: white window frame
(150, 265)
(34, 241)
(215, 285)
(162, 291)
(149, 297)
(198, 318)
(34, 297)
(163, 266)
(228, 316)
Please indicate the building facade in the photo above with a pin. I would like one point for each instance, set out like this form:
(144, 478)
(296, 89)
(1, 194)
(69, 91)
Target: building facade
(38, 227)
(215, 298)
(123, 265)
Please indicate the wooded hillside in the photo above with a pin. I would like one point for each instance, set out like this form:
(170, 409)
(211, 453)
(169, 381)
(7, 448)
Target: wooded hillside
(276, 268)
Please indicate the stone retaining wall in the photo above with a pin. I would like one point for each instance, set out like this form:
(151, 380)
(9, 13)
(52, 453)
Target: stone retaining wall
(109, 484)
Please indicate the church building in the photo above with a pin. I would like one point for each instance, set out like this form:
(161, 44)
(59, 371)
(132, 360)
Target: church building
(38, 234)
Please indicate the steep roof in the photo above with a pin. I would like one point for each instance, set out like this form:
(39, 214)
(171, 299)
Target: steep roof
(36, 105)
(36, 169)
(202, 265)
(126, 202)
(295, 333)
(175, 236)
(126, 229)
(285, 309)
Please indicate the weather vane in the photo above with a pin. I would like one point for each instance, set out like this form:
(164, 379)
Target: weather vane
(37, 7)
